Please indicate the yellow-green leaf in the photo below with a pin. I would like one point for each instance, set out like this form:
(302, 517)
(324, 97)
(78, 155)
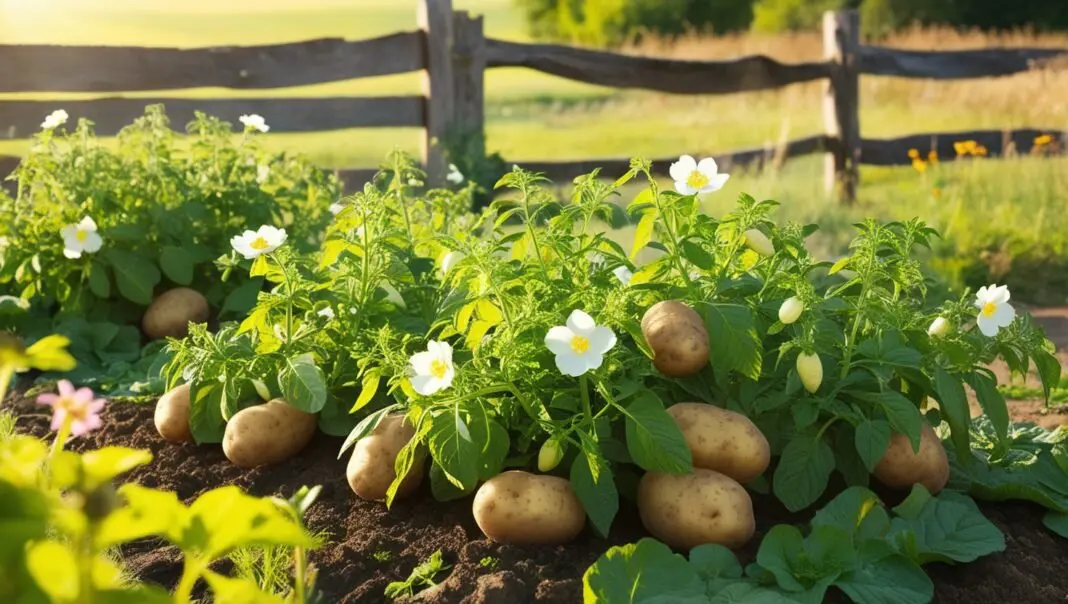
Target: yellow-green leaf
(255, 320)
(842, 263)
(55, 570)
(50, 354)
(643, 234)
(519, 248)
(488, 311)
(107, 463)
(331, 251)
(367, 392)
(478, 330)
(259, 267)
(463, 318)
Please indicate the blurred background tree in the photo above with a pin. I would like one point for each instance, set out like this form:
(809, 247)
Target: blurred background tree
(608, 23)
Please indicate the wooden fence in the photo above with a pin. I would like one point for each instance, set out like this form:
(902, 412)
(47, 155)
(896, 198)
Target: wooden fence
(452, 53)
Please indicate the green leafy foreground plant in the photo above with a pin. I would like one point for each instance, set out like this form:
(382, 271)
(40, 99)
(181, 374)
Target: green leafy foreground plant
(62, 516)
(854, 545)
(422, 577)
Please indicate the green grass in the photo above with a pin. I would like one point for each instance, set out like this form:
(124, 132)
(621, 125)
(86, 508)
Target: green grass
(7, 426)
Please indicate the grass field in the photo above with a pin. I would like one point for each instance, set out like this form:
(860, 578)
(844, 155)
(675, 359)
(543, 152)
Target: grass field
(534, 116)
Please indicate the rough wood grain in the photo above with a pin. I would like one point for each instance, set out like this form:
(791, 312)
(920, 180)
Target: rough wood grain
(469, 88)
(664, 75)
(955, 64)
(895, 151)
(119, 68)
(563, 171)
(19, 119)
(841, 96)
(435, 20)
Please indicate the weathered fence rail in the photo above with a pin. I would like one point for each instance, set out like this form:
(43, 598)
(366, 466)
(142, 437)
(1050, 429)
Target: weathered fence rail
(451, 52)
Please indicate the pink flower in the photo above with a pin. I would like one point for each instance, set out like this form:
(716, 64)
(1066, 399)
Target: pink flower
(76, 406)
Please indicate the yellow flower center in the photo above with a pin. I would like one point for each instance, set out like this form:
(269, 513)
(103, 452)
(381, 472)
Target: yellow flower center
(259, 244)
(989, 309)
(81, 235)
(580, 344)
(438, 368)
(75, 411)
(697, 179)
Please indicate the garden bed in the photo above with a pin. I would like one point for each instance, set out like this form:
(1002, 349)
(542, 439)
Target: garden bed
(368, 546)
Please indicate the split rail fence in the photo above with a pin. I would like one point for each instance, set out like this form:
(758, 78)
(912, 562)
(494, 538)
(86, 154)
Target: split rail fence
(452, 53)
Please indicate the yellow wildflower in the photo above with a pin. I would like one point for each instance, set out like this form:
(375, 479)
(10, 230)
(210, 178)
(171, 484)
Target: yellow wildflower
(964, 147)
(920, 165)
(1044, 139)
(914, 154)
(932, 156)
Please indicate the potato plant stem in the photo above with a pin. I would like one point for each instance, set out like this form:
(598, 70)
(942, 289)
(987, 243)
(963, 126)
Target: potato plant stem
(584, 392)
(289, 300)
(673, 242)
(299, 563)
(6, 373)
(61, 436)
(190, 574)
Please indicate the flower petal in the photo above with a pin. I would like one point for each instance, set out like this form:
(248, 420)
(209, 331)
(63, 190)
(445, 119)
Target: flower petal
(1000, 295)
(683, 188)
(421, 362)
(72, 254)
(601, 340)
(47, 398)
(571, 364)
(987, 325)
(708, 167)
(426, 385)
(58, 417)
(69, 232)
(581, 323)
(1004, 315)
(681, 169)
(715, 183)
(87, 224)
(93, 242)
(66, 389)
(558, 340)
(593, 361)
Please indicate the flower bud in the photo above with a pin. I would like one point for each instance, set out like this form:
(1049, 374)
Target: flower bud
(810, 370)
(790, 310)
(261, 389)
(939, 327)
(550, 455)
(759, 242)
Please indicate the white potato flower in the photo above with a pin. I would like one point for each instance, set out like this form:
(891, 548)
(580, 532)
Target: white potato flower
(252, 244)
(995, 312)
(254, 122)
(454, 175)
(327, 312)
(623, 273)
(580, 345)
(81, 238)
(262, 173)
(693, 177)
(432, 370)
(54, 120)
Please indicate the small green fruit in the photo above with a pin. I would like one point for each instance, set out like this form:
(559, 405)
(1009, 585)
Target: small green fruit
(550, 455)
(790, 310)
(810, 370)
(759, 242)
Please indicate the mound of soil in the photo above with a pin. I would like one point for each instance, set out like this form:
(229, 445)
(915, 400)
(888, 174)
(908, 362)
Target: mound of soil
(369, 546)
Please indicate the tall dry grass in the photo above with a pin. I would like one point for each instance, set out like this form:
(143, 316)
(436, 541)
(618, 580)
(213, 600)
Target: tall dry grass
(889, 106)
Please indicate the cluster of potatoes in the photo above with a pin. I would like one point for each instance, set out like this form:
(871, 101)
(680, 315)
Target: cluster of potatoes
(259, 435)
(707, 505)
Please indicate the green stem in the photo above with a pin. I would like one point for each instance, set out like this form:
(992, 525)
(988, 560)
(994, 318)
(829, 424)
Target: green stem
(672, 238)
(584, 392)
(289, 299)
(85, 566)
(6, 374)
(190, 574)
(847, 358)
(299, 562)
(62, 435)
(824, 427)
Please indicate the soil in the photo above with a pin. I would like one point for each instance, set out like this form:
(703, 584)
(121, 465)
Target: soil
(369, 546)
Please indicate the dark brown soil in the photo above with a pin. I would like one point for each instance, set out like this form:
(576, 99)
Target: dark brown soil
(370, 546)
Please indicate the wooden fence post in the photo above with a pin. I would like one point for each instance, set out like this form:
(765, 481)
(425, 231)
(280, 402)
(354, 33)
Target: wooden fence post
(841, 39)
(468, 72)
(435, 20)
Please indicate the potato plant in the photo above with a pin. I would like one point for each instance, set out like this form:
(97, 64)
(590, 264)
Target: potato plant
(524, 337)
(99, 232)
